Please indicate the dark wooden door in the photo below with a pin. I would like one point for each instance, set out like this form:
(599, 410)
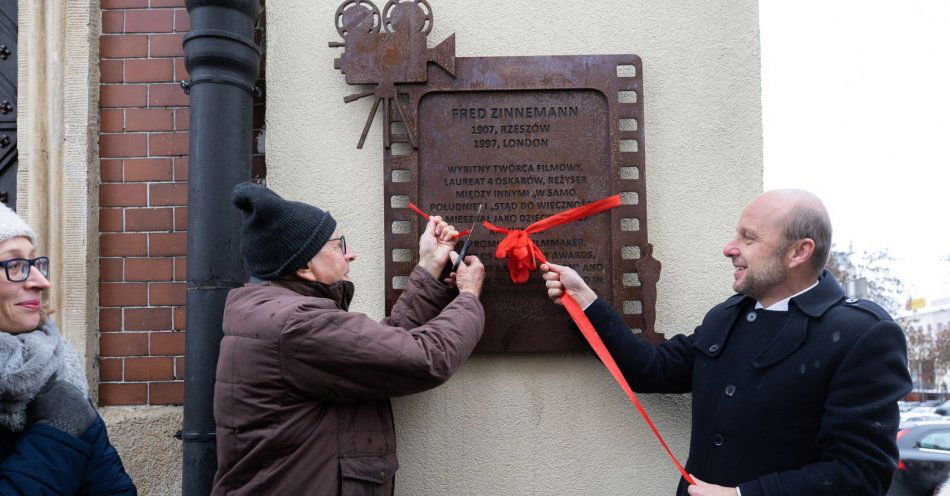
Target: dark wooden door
(8, 84)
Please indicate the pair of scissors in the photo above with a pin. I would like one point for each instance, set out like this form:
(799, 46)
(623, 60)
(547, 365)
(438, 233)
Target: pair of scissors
(468, 240)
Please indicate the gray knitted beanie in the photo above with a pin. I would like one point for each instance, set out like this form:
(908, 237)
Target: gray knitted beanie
(11, 225)
(278, 236)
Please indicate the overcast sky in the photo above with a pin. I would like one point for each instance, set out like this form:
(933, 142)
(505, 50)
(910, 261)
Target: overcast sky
(856, 108)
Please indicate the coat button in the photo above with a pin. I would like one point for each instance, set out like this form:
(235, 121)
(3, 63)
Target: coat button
(730, 390)
(714, 348)
(718, 440)
(382, 475)
(751, 316)
(851, 300)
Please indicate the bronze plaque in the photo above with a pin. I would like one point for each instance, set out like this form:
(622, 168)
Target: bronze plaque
(525, 155)
(527, 137)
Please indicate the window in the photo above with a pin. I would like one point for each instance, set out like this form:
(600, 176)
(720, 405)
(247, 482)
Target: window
(939, 440)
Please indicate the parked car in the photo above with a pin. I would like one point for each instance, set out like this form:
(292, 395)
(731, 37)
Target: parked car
(920, 414)
(924, 458)
(913, 418)
(943, 409)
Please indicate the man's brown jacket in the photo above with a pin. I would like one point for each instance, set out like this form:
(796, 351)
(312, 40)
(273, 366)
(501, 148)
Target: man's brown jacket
(301, 398)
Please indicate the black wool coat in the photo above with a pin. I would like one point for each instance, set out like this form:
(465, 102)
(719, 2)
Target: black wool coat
(806, 407)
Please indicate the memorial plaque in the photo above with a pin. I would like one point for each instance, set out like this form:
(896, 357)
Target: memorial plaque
(528, 137)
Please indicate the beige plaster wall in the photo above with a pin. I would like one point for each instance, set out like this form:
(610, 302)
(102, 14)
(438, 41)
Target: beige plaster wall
(542, 424)
(144, 438)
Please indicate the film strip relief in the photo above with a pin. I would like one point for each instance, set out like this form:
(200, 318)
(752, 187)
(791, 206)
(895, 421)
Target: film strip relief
(629, 221)
(619, 78)
(401, 186)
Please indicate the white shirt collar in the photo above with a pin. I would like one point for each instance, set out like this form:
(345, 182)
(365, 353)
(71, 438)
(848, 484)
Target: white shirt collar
(782, 306)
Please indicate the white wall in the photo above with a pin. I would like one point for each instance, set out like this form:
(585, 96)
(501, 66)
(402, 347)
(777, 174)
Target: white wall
(542, 424)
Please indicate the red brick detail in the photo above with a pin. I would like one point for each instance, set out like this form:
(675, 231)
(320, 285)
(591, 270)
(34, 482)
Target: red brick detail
(168, 245)
(180, 368)
(146, 119)
(110, 170)
(143, 214)
(181, 218)
(122, 194)
(123, 46)
(149, 70)
(110, 269)
(181, 71)
(110, 121)
(179, 318)
(123, 4)
(182, 117)
(117, 344)
(167, 3)
(166, 293)
(118, 95)
(111, 71)
(181, 269)
(149, 219)
(113, 22)
(149, 21)
(166, 393)
(123, 245)
(166, 95)
(168, 194)
(110, 319)
(149, 369)
(116, 394)
(122, 145)
(110, 369)
(148, 169)
(182, 21)
(166, 343)
(147, 319)
(181, 168)
(149, 269)
(168, 144)
(122, 294)
(165, 45)
(110, 220)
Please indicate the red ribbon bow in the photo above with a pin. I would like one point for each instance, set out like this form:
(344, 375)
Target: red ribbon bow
(522, 254)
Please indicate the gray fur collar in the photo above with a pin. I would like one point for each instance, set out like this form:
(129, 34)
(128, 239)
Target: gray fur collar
(27, 362)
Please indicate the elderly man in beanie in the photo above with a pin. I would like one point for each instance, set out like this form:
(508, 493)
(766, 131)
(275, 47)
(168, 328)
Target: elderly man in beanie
(301, 400)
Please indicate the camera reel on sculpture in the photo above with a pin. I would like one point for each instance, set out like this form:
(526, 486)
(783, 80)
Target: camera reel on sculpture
(398, 14)
(357, 16)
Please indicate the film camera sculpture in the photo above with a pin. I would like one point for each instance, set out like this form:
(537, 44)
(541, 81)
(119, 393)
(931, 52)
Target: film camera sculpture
(386, 49)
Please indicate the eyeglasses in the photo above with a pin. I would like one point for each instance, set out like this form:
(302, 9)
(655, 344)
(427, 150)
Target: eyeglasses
(342, 240)
(18, 269)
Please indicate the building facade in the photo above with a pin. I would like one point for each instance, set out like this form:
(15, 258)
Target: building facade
(103, 150)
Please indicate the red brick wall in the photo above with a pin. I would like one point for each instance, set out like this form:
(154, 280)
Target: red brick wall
(143, 198)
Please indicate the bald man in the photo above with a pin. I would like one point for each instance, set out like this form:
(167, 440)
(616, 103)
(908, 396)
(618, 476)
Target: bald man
(795, 385)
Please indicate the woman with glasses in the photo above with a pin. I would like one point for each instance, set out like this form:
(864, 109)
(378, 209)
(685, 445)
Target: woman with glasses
(52, 440)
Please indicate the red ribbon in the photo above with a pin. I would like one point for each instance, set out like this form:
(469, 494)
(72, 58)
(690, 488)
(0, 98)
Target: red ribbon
(522, 254)
(593, 339)
(420, 212)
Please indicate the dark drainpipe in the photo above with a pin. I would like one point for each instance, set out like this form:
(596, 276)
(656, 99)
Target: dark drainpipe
(223, 62)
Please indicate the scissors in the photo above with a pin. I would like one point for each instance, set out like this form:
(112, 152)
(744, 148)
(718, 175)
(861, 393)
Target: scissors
(468, 240)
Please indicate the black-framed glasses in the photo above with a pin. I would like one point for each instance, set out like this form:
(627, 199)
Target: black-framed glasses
(342, 240)
(18, 269)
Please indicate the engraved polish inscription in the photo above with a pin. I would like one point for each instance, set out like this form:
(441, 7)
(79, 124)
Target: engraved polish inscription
(526, 155)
